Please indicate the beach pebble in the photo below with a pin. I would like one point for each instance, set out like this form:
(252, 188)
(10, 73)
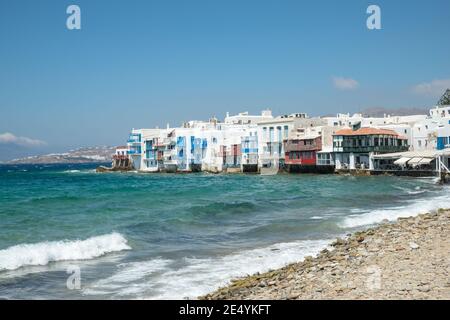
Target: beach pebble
(414, 245)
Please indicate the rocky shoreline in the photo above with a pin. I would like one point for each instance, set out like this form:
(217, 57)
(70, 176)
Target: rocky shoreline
(408, 259)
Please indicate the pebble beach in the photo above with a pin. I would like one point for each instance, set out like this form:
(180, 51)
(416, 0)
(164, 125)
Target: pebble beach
(407, 259)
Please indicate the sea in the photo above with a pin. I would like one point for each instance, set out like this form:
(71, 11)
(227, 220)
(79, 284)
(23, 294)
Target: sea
(67, 232)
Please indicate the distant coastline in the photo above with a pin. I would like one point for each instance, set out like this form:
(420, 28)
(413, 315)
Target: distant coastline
(102, 154)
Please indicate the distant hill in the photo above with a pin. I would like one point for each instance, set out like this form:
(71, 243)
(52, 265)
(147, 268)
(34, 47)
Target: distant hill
(81, 155)
(380, 112)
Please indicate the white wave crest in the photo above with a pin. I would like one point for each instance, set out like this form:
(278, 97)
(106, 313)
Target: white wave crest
(192, 277)
(411, 209)
(42, 253)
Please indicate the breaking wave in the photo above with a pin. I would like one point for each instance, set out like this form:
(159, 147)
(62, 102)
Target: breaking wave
(166, 279)
(42, 253)
(411, 209)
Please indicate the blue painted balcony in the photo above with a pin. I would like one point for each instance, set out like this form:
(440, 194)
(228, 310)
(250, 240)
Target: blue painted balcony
(134, 151)
(134, 138)
(249, 150)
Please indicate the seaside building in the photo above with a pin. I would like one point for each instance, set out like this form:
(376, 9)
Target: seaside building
(249, 149)
(310, 150)
(245, 118)
(239, 147)
(265, 144)
(429, 152)
(443, 137)
(272, 135)
(120, 159)
(354, 147)
(134, 148)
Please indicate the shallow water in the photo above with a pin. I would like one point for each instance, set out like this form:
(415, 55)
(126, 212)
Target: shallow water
(174, 236)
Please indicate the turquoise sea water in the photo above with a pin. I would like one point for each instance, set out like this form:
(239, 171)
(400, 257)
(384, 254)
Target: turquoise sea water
(178, 235)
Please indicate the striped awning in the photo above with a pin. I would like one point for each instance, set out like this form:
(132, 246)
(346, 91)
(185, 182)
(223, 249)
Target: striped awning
(402, 161)
(426, 160)
(414, 161)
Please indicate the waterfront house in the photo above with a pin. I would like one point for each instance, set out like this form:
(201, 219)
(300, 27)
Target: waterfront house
(301, 150)
(310, 150)
(121, 159)
(272, 135)
(249, 144)
(353, 147)
(134, 148)
(443, 136)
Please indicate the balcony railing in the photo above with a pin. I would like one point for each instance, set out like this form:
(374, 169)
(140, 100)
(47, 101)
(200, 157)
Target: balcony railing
(249, 150)
(302, 147)
(367, 149)
(120, 157)
(133, 141)
(134, 138)
(134, 152)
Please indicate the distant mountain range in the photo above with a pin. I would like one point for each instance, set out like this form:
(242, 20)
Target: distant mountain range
(81, 155)
(380, 112)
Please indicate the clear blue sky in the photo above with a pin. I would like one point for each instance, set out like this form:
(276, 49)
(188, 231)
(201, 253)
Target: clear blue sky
(146, 63)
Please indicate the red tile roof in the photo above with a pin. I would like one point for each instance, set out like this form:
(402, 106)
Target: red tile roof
(365, 132)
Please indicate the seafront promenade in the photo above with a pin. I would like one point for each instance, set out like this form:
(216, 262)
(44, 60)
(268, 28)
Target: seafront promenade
(408, 259)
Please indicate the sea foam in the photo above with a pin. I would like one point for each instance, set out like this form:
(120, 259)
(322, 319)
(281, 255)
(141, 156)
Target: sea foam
(42, 253)
(410, 209)
(167, 279)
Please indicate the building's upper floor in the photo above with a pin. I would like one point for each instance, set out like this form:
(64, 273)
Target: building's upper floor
(365, 140)
(246, 118)
(440, 112)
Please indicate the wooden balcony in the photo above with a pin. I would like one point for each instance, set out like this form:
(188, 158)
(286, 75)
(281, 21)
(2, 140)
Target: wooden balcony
(303, 145)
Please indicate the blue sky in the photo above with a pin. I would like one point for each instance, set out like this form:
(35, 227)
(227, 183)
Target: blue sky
(146, 63)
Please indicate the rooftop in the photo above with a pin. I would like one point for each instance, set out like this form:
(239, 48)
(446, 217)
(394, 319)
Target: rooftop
(365, 131)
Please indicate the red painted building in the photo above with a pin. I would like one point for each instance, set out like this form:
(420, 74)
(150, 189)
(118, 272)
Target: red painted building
(302, 150)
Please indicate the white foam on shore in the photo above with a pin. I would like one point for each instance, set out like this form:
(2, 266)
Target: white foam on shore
(42, 253)
(199, 276)
(411, 209)
(128, 277)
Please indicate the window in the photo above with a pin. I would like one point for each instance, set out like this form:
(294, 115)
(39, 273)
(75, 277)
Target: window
(286, 131)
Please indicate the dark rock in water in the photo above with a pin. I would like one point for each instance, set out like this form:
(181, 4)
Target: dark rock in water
(113, 169)
(103, 169)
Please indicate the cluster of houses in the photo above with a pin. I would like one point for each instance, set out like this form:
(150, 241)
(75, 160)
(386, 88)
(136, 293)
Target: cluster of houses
(295, 143)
